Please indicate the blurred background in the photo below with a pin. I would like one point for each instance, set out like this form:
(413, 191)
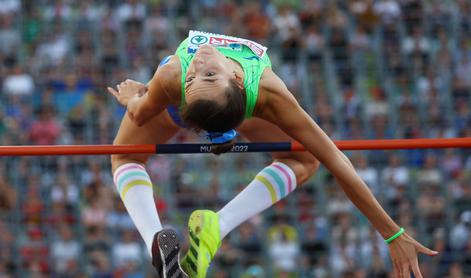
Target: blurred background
(362, 69)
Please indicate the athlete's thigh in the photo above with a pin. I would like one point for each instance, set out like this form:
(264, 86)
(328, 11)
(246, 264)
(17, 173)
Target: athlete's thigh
(157, 130)
(258, 130)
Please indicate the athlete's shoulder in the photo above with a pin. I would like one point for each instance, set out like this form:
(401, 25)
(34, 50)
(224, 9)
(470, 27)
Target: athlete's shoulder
(169, 67)
(271, 91)
(169, 71)
(271, 83)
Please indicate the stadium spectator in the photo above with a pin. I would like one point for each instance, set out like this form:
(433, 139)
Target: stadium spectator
(9, 35)
(58, 10)
(364, 13)
(388, 10)
(118, 218)
(258, 26)
(46, 129)
(394, 175)
(284, 248)
(18, 82)
(131, 10)
(64, 190)
(65, 251)
(127, 250)
(249, 242)
(7, 248)
(96, 241)
(53, 48)
(367, 173)
(8, 197)
(10, 7)
(430, 173)
(462, 199)
(288, 29)
(94, 214)
(34, 251)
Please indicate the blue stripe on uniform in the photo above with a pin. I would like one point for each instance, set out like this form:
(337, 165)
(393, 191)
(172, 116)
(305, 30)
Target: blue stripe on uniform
(175, 115)
(165, 60)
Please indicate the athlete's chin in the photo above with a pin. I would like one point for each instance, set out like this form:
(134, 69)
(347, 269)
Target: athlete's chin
(205, 50)
(204, 55)
(206, 47)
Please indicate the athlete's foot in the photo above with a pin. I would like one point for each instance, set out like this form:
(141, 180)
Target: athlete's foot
(205, 239)
(166, 255)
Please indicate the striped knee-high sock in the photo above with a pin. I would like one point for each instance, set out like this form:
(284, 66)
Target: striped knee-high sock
(269, 186)
(135, 188)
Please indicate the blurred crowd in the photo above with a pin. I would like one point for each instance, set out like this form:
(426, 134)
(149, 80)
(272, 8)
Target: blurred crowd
(363, 69)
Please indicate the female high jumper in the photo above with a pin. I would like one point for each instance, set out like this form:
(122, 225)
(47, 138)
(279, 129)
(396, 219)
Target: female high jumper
(224, 85)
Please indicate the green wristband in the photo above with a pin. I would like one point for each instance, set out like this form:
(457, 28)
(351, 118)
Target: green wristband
(389, 240)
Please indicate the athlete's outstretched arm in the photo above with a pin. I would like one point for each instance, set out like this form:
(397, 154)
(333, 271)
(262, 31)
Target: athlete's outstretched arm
(282, 109)
(143, 102)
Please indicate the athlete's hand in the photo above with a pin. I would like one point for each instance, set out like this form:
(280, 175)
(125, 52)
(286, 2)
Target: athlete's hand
(404, 251)
(127, 90)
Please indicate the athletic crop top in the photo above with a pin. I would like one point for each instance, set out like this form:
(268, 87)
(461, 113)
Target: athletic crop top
(250, 55)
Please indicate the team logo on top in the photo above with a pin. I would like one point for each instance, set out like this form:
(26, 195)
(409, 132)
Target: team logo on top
(199, 40)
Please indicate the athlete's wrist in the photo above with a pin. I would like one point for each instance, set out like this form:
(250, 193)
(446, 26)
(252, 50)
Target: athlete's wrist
(132, 101)
(389, 230)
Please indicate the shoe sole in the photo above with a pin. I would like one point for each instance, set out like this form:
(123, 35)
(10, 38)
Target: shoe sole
(169, 250)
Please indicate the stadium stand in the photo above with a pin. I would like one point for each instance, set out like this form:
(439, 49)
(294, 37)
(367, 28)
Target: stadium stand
(363, 69)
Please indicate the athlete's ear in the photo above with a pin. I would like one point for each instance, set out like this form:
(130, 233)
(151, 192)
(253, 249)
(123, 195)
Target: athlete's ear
(239, 80)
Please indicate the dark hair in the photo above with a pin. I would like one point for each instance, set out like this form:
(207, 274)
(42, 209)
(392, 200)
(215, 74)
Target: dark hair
(209, 115)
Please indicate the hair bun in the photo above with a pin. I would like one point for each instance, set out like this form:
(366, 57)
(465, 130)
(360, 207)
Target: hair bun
(222, 148)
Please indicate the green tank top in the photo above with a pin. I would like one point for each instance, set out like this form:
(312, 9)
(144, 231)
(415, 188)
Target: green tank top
(252, 64)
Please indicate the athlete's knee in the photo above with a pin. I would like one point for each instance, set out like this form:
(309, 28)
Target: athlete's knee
(116, 161)
(120, 159)
(311, 166)
(304, 168)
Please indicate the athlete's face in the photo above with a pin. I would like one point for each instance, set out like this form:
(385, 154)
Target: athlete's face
(208, 75)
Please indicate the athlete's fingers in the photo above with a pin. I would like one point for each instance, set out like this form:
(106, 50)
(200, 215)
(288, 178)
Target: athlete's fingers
(113, 92)
(405, 271)
(397, 270)
(426, 250)
(401, 270)
(415, 269)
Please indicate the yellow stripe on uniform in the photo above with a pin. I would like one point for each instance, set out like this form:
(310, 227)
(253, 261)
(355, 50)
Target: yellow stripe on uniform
(268, 185)
(134, 183)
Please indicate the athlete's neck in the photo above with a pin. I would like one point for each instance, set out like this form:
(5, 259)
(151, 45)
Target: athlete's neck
(237, 68)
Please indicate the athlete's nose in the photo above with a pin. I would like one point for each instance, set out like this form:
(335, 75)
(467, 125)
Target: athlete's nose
(198, 60)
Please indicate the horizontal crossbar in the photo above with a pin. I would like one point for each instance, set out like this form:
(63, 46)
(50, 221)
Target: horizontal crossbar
(387, 144)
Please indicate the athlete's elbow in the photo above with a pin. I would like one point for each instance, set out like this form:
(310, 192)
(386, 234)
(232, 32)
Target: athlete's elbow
(136, 118)
(139, 120)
